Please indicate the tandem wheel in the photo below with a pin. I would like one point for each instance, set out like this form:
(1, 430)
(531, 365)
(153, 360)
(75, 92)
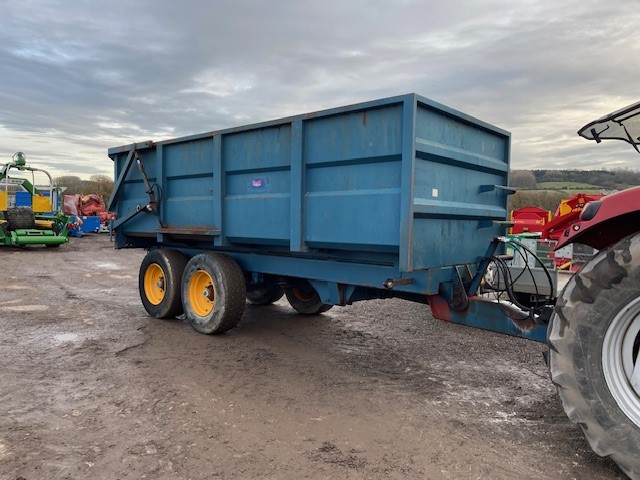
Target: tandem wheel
(159, 282)
(305, 300)
(213, 293)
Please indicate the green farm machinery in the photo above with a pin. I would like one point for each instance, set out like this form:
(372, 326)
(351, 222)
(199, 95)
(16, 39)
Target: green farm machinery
(29, 215)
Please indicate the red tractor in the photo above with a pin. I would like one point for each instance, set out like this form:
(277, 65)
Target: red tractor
(594, 333)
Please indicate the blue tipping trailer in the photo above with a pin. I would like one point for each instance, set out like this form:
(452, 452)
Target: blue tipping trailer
(399, 197)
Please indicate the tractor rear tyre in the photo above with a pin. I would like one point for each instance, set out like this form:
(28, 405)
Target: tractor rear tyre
(594, 339)
(213, 293)
(265, 295)
(305, 300)
(21, 218)
(159, 282)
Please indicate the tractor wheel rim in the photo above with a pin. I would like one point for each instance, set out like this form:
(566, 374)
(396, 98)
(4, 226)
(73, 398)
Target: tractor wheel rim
(202, 293)
(154, 284)
(621, 362)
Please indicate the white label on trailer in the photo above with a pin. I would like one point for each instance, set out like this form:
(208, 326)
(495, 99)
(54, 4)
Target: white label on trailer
(434, 192)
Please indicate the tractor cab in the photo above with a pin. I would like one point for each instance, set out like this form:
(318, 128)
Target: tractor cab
(623, 124)
(610, 219)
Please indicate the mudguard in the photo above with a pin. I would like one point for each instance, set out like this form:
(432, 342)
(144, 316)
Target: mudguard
(606, 221)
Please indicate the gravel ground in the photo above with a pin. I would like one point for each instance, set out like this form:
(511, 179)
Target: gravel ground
(92, 387)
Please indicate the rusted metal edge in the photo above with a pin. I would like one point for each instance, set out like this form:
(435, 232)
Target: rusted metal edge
(189, 231)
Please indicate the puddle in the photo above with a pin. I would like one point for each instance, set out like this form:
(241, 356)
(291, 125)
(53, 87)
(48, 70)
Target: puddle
(66, 337)
(27, 308)
(507, 418)
(107, 266)
(4, 452)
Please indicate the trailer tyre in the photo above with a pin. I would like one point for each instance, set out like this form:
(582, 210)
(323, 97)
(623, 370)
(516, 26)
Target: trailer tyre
(20, 218)
(159, 282)
(265, 295)
(594, 339)
(305, 300)
(213, 293)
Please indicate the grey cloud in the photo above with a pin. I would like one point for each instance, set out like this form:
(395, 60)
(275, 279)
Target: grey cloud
(87, 76)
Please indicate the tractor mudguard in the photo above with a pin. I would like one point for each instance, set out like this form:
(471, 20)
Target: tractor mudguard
(605, 221)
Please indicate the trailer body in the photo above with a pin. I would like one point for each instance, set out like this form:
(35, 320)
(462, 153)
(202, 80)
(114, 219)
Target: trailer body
(396, 197)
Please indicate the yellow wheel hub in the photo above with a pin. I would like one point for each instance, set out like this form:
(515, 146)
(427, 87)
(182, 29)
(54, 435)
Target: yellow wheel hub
(154, 284)
(202, 293)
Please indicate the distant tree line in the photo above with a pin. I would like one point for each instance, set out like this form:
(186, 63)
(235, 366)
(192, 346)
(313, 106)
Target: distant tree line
(615, 179)
(532, 191)
(98, 184)
(546, 199)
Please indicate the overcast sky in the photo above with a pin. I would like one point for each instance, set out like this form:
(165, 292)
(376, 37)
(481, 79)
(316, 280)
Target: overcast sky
(78, 77)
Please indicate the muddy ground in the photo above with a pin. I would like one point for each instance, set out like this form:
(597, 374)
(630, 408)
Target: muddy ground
(91, 387)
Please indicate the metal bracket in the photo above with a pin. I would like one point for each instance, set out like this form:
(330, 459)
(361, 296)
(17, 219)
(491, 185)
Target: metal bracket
(333, 293)
(153, 203)
(483, 265)
(152, 206)
(497, 188)
(139, 209)
(125, 170)
(495, 223)
(459, 300)
(391, 283)
(454, 291)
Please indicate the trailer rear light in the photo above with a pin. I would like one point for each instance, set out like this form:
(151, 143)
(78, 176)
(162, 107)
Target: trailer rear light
(590, 209)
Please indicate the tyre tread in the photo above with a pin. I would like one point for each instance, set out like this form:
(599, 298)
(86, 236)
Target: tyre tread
(313, 306)
(233, 293)
(173, 264)
(574, 317)
(273, 292)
